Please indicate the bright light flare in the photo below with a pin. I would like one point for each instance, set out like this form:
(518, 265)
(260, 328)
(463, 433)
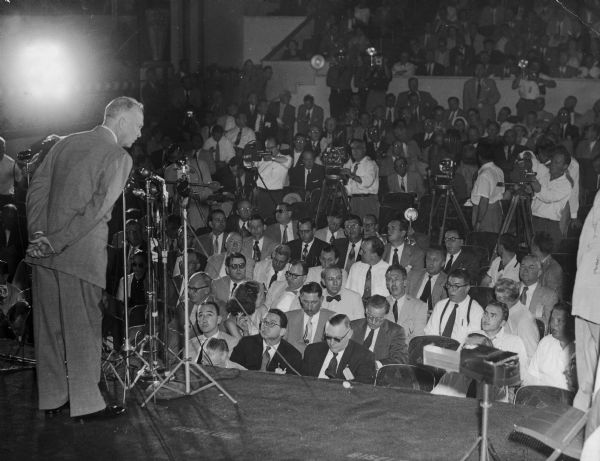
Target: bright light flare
(46, 71)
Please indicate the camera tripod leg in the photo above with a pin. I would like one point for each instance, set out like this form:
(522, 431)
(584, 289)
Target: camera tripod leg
(432, 211)
(459, 213)
(509, 215)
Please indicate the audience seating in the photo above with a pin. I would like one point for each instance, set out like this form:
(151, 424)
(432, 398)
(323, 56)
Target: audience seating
(405, 376)
(483, 295)
(415, 351)
(542, 396)
(484, 239)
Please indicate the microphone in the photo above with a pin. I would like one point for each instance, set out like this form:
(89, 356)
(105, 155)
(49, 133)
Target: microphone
(145, 173)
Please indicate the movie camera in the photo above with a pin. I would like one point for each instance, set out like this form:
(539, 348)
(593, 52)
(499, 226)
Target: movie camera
(334, 159)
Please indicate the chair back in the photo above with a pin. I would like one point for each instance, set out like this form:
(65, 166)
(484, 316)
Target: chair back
(483, 295)
(543, 396)
(400, 200)
(405, 376)
(415, 351)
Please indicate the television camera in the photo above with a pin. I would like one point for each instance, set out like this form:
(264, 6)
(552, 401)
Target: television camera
(334, 159)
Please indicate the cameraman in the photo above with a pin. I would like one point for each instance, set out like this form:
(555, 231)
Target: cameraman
(530, 84)
(272, 175)
(552, 188)
(486, 195)
(363, 180)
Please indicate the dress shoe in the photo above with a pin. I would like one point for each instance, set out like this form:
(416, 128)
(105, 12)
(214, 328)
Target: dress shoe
(111, 411)
(57, 411)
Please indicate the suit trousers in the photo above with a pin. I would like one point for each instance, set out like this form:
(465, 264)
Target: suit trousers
(267, 200)
(587, 335)
(549, 226)
(67, 326)
(492, 220)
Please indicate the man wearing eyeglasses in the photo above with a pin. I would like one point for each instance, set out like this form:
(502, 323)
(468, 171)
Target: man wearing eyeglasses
(273, 269)
(458, 315)
(257, 246)
(307, 248)
(457, 257)
(216, 267)
(367, 276)
(334, 229)
(238, 220)
(340, 300)
(285, 229)
(386, 339)
(338, 357)
(307, 325)
(268, 351)
(398, 252)
(205, 321)
(284, 294)
(223, 287)
(349, 247)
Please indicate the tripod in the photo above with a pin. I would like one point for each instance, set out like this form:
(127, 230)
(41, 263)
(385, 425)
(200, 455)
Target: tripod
(333, 197)
(186, 361)
(486, 450)
(447, 197)
(521, 204)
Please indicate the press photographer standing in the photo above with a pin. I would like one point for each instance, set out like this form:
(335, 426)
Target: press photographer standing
(68, 206)
(531, 85)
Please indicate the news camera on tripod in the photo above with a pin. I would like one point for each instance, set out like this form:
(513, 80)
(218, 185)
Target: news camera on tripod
(269, 169)
(333, 192)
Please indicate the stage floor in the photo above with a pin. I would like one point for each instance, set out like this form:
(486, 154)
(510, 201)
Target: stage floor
(277, 418)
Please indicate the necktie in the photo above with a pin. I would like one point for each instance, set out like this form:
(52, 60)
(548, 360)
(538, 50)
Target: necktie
(450, 323)
(389, 115)
(332, 367)
(367, 290)
(478, 88)
(402, 186)
(256, 251)
(523, 297)
(355, 168)
(337, 298)
(217, 153)
(395, 311)
(501, 266)
(305, 252)
(234, 287)
(216, 249)
(449, 264)
(332, 239)
(308, 115)
(308, 331)
(266, 358)
(351, 258)
(426, 294)
(395, 260)
(369, 338)
(284, 238)
(273, 278)
(238, 138)
(238, 183)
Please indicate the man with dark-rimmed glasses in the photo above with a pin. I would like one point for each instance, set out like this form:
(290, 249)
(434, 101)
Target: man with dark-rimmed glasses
(458, 315)
(284, 294)
(338, 357)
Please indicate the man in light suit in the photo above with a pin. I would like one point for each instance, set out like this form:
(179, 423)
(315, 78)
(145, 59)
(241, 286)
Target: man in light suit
(333, 230)
(404, 180)
(273, 268)
(307, 325)
(223, 287)
(338, 357)
(482, 94)
(340, 300)
(214, 242)
(397, 251)
(307, 248)
(385, 339)
(408, 312)
(432, 275)
(538, 299)
(552, 274)
(284, 230)
(284, 294)
(309, 114)
(216, 267)
(257, 246)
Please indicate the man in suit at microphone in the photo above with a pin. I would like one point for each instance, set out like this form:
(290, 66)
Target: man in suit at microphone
(268, 351)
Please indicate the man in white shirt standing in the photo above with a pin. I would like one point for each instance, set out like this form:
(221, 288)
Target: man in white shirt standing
(273, 173)
(367, 276)
(219, 146)
(552, 187)
(363, 181)
(240, 135)
(458, 315)
(486, 195)
(272, 269)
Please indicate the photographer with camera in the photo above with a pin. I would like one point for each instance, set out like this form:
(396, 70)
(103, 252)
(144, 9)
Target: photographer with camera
(486, 195)
(363, 180)
(272, 171)
(552, 188)
(530, 84)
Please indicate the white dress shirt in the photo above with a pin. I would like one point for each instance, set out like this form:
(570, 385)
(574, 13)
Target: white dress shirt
(350, 304)
(272, 349)
(358, 273)
(368, 171)
(289, 231)
(530, 290)
(8, 167)
(356, 250)
(248, 136)
(462, 325)
(548, 364)
(287, 299)
(550, 201)
(314, 320)
(226, 150)
(375, 334)
(326, 361)
(400, 250)
(314, 275)
(274, 174)
(512, 343)
(510, 271)
(486, 184)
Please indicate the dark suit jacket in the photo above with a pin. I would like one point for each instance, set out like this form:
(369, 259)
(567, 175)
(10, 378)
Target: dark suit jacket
(569, 72)
(423, 69)
(415, 279)
(466, 260)
(233, 225)
(289, 119)
(249, 351)
(295, 331)
(414, 182)
(357, 358)
(412, 256)
(426, 102)
(312, 259)
(390, 346)
(268, 129)
(507, 164)
(314, 179)
(207, 243)
(342, 246)
(274, 231)
(316, 118)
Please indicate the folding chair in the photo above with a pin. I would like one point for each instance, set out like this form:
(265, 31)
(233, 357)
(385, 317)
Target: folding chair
(405, 376)
(415, 351)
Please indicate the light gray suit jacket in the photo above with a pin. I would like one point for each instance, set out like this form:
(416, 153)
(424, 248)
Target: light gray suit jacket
(412, 316)
(215, 263)
(412, 256)
(322, 234)
(542, 302)
(295, 330)
(274, 232)
(415, 279)
(390, 346)
(267, 248)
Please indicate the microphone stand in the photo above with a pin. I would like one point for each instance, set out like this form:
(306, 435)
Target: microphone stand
(186, 361)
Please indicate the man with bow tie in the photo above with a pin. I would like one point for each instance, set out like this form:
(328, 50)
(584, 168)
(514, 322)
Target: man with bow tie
(340, 300)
